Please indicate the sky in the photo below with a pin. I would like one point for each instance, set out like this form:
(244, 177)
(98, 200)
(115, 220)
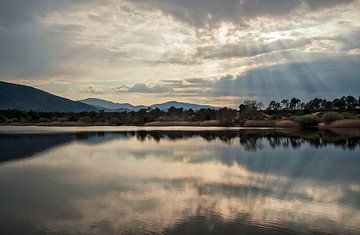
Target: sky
(217, 52)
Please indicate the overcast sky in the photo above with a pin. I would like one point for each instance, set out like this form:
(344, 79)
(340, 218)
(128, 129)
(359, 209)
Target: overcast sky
(215, 52)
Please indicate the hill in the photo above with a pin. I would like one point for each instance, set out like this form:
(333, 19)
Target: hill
(15, 96)
(109, 106)
(185, 106)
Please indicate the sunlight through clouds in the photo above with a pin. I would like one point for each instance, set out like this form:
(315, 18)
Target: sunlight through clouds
(106, 44)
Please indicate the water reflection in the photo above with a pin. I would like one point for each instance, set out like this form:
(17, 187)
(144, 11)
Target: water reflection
(219, 182)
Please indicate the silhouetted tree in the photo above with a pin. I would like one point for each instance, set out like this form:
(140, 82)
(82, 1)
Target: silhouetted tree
(351, 102)
(294, 103)
(285, 103)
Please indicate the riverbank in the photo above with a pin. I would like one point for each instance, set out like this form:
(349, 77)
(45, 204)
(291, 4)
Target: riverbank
(341, 124)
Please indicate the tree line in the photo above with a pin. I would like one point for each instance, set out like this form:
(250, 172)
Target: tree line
(340, 104)
(348, 106)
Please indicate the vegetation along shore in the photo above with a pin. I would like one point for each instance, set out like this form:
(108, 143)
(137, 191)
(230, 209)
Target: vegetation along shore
(339, 113)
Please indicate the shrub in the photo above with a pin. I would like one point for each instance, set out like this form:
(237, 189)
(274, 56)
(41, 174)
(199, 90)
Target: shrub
(275, 117)
(74, 118)
(2, 119)
(330, 117)
(12, 120)
(287, 124)
(259, 123)
(346, 124)
(115, 121)
(308, 120)
(251, 114)
(85, 119)
(348, 115)
(62, 119)
(43, 119)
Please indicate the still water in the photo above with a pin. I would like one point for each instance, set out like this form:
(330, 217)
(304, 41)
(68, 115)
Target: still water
(179, 182)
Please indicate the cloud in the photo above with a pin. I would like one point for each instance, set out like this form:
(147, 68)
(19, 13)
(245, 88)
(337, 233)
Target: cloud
(144, 88)
(16, 12)
(200, 13)
(318, 4)
(182, 47)
(28, 48)
(249, 48)
(322, 77)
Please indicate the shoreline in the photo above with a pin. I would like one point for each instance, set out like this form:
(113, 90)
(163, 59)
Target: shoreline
(276, 124)
(31, 129)
(321, 126)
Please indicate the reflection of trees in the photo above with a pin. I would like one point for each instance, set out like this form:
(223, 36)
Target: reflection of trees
(255, 140)
(251, 140)
(20, 146)
(251, 143)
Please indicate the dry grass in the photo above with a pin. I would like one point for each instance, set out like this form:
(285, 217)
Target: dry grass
(259, 123)
(184, 123)
(350, 123)
(287, 124)
(271, 123)
(210, 123)
(172, 123)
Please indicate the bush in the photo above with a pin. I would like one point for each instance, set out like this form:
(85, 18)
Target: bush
(346, 124)
(2, 119)
(43, 119)
(62, 119)
(115, 121)
(85, 119)
(308, 120)
(251, 114)
(259, 123)
(287, 124)
(12, 120)
(348, 115)
(330, 117)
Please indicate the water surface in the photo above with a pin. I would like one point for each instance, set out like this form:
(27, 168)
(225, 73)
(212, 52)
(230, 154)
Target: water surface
(171, 181)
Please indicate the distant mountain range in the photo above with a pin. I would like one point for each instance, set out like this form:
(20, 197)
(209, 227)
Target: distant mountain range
(21, 97)
(109, 106)
(185, 106)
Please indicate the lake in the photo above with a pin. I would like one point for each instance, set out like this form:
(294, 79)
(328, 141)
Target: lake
(178, 181)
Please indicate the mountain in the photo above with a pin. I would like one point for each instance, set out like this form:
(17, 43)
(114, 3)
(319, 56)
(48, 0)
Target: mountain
(21, 97)
(14, 96)
(109, 106)
(185, 106)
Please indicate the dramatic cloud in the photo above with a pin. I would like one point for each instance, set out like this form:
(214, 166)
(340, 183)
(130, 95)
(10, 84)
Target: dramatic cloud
(327, 78)
(147, 51)
(143, 88)
(250, 49)
(202, 12)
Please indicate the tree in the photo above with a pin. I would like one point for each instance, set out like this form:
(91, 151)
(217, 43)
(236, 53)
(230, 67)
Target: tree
(285, 103)
(294, 103)
(339, 104)
(302, 106)
(272, 105)
(351, 102)
(250, 104)
(328, 105)
(226, 116)
(315, 104)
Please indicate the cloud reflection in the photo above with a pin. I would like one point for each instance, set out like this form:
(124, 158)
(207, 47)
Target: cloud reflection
(140, 183)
